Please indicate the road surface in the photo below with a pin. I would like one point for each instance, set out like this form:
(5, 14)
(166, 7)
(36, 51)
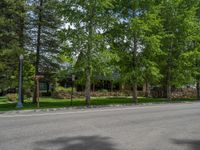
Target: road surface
(158, 127)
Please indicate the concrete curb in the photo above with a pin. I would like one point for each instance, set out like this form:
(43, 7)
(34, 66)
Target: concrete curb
(91, 107)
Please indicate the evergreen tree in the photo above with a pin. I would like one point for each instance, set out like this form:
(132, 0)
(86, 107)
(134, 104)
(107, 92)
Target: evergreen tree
(12, 16)
(43, 29)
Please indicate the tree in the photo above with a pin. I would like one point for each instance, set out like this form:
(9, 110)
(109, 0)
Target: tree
(11, 40)
(197, 45)
(86, 23)
(43, 28)
(178, 28)
(136, 40)
(191, 55)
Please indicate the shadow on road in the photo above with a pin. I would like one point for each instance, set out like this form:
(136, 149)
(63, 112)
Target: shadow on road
(76, 143)
(192, 144)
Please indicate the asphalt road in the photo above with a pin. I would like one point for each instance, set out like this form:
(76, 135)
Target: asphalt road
(159, 127)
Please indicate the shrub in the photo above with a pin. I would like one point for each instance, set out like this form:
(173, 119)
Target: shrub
(63, 89)
(61, 92)
(11, 97)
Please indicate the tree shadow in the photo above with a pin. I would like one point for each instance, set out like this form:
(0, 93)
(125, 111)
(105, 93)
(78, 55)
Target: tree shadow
(192, 144)
(76, 143)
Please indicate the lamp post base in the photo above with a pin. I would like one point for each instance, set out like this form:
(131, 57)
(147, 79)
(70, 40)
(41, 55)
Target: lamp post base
(19, 105)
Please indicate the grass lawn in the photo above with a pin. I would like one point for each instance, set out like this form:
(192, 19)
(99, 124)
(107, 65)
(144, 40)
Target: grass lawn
(58, 103)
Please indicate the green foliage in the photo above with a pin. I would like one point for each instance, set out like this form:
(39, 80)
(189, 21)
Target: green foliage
(180, 28)
(142, 41)
(11, 40)
(84, 37)
(12, 97)
(47, 42)
(63, 89)
(136, 39)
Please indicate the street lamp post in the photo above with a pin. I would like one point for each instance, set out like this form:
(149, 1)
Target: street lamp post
(19, 103)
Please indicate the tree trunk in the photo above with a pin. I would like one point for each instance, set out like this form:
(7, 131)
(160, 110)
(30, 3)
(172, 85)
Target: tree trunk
(122, 87)
(169, 92)
(87, 86)
(93, 87)
(134, 93)
(169, 83)
(38, 49)
(147, 89)
(88, 55)
(134, 65)
(169, 69)
(198, 89)
(111, 86)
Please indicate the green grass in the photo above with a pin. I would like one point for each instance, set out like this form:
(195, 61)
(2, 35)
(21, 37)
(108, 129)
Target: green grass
(59, 103)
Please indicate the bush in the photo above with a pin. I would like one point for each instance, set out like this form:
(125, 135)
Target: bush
(63, 89)
(12, 97)
(61, 92)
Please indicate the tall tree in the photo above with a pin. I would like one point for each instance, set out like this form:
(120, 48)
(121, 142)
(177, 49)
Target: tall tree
(86, 21)
(191, 55)
(43, 28)
(178, 27)
(197, 45)
(135, 37)
(12, 16)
